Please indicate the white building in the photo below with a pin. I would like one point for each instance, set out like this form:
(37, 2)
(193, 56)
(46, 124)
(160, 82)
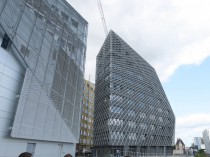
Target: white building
(206, 138)
(198, 141)
(180, 147)
(42, 53)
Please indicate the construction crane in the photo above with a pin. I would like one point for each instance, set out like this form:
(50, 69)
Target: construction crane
(102, 17)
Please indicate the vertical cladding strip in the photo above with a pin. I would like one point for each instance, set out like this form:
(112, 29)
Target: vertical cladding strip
(3, 6)
(43, 35)
(34, 23)
(19, 18)
(75, 107)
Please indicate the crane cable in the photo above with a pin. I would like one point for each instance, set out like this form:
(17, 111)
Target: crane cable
(102, 17)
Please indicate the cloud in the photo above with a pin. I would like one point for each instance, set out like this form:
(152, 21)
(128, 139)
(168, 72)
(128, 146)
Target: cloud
(190, 126)
(168, 34)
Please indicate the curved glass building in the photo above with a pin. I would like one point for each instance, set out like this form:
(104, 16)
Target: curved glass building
(132, 112)
(43, 49)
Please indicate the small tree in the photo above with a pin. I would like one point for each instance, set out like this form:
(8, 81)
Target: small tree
(201, 153)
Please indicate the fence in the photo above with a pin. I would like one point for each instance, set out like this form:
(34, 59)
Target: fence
(139, 154)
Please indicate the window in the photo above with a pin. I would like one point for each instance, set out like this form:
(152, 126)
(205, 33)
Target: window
(106, 78)
(116, 86)
(142, 115)
(142, 137)
(150, 89)
(24, 51)
(141, 105)
(39, 15)
(116, 98)
(88, 141)
(141, 95)
(132, 136)
(116, 109)
(143, 126)
(130, 72)
(151, 107)
(131, 112)
(117, 135)
(141, 85)
(65, 16)
(139, 77)
(55, 8)
(152, 117)
(115, 121)
(152, 127)
(74, 23)
(150, 98)
(84, 140)
(131, 124)
(160, 119)
(107, 68)
(130, 91)
(130, 102)
(5, 41)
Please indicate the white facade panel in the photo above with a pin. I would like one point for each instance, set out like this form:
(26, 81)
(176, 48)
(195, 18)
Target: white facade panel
(12, 148)
(6, 104)
(199, 142)
(34, 37)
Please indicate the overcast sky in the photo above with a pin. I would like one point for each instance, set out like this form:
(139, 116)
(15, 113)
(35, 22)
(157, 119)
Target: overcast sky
(174, 37)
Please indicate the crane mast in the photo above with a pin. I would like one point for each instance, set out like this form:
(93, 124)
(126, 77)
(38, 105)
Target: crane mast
(102, 17)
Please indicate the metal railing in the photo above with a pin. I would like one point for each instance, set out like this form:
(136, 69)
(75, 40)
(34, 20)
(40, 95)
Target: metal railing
(139, 154)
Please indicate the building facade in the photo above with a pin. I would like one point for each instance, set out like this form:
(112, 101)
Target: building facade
(199, 143)
(86, 131)
(132, 112)
(179, 147)
(206, 138)
(43, 47)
